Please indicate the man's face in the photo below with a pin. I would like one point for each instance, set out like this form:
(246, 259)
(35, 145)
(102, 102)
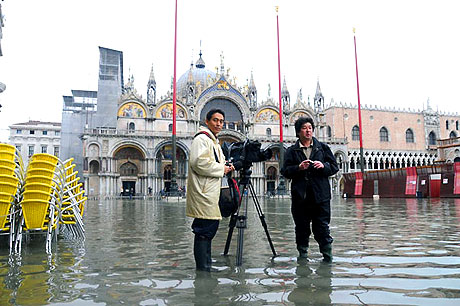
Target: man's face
(306, 132)
(215, 123)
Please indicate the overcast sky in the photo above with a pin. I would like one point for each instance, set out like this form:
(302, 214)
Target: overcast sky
(408, 50)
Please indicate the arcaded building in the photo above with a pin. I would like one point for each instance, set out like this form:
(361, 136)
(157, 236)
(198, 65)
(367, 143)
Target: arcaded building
(125, 136)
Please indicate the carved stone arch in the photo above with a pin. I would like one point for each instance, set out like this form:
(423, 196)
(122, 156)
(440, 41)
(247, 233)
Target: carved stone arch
(129, 143)
(94, 166)
(220, 95)
(301, 112)
(179, 145)
(164, 111)
(93, 149)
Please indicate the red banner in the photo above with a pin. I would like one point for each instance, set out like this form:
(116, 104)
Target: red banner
(457, 178)
(359, 183)
(411, 181)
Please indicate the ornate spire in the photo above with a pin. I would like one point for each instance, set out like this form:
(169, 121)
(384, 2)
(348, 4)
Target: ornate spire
(151, 89)
(319, 98)
(252, 93)
(285, 97)
(200, 62)
(222, 68)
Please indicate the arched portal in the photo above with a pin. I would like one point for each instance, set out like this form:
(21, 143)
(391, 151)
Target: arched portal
(233, 115)
(164, 166)
(130, 164)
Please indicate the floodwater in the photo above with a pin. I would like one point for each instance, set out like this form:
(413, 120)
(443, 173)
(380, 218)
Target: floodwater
(387, 251)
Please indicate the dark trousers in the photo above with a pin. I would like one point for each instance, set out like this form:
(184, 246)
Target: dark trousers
(205, 228)
(318, 214)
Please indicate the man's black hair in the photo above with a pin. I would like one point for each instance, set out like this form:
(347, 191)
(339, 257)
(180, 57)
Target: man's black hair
(213, 111)
(301, 121)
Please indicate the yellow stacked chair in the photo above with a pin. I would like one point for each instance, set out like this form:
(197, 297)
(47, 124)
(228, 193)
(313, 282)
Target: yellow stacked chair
(8, 185)
(37, 192)
(9, 190)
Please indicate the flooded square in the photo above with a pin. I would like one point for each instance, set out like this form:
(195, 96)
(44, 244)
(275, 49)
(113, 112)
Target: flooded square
(140, 252)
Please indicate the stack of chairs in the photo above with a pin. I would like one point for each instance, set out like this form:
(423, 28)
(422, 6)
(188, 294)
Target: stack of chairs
(44, 199)
(38, 205)
(9, 185)
(72, 201)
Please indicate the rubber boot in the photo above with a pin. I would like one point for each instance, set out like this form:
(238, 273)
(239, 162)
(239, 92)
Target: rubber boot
(208, 254)
(303, 251)
(326, 250)
(200, 252)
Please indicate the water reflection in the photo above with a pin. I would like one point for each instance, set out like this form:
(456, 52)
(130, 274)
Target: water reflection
(386, 251)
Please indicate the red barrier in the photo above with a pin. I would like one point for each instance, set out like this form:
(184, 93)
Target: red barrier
(457, 178)
(359, 183)
(411, 180)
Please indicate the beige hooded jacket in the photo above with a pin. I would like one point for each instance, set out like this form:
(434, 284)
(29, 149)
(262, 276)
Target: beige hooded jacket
(204, 177)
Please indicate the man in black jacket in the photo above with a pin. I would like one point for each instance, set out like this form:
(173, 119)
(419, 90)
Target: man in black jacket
(309, 163)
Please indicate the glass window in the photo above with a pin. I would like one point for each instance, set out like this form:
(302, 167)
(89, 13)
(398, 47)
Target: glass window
(32, 132)
(170, 127)
(383, 134)
(31, 150)
(355, 133)
(56, 133)
(409, 136)
(432, 139)
(56, 151)
(131, 127)
(18, 131)
(45, 132)
(18, 147)
(44, 149)
(447, 124)
(269, 132)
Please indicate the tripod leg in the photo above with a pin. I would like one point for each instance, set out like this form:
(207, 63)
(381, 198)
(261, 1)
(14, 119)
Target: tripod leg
(261, 217)
(232, 223)
(231, 226)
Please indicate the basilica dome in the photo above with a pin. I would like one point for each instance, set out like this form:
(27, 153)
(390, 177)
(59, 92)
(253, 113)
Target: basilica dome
(199, 75)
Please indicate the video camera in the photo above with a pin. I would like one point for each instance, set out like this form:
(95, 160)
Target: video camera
(242, 154)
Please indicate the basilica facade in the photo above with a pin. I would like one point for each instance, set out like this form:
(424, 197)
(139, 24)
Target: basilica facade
(126, 138)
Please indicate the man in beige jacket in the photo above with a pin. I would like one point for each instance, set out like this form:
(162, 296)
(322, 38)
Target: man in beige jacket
(205, 172)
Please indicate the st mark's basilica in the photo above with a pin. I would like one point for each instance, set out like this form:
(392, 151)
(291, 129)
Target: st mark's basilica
(121, 141)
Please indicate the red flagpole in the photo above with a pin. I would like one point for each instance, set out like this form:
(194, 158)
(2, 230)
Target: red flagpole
(279, 77)
(173, 186)
(281, 184)
(359, 109)
(174, 80)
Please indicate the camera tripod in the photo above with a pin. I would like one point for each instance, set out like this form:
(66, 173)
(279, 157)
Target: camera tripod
(240, 220)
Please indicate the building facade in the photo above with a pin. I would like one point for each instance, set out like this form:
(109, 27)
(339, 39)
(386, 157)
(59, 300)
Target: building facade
(36, 137)
(125, 142)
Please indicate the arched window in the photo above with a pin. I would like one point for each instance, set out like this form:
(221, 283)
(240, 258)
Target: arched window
(432, 139)
(93, 167)
(452, 135)
(131, 127)
(269, 132)
(456, 125)
(328, 132)
(384, 134)
(409, 136)
(447, 124)
(170, 128)
(355, 133)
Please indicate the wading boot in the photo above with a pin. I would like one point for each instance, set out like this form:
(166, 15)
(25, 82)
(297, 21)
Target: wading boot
(326, 250)
(200, 252)
(303, 251)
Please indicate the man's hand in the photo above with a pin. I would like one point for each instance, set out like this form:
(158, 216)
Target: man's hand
(305, 164)
(317, 164)
(228, 168)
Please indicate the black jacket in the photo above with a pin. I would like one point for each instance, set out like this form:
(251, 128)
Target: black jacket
(316, 178)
